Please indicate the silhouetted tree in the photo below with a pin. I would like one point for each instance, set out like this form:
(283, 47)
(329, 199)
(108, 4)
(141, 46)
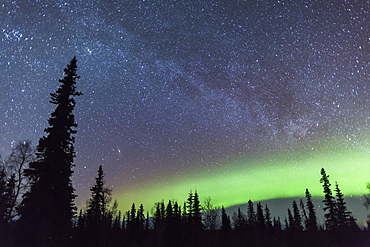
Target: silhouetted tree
(48, 208)
(225, 220)
(159, 215)
(136, 224)
(189, 205)
(194, 211)
(139, 225)
(197, 212)
(260, 218)
(177, 214)
(171, 225)
(210, 214)
(169, 211)
(297, 220)
(140, 218)
(330, 206)
(343, 215)
(251, 215)
(98, 215)
(13, 167)
(225, 232)
(98, 205)
(311, 223)
(13, 185)
(240, 220)
(268, 222)
(131, 219)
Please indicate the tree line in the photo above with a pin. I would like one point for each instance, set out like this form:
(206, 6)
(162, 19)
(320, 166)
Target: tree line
(37, 204)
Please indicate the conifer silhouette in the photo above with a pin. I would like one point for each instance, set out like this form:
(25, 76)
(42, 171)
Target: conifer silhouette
(311, 223)
(48, 208)
(330, 206)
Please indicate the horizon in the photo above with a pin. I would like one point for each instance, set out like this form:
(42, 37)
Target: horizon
(224, 190)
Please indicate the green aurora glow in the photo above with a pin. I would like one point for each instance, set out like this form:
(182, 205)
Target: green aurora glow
(270, 176)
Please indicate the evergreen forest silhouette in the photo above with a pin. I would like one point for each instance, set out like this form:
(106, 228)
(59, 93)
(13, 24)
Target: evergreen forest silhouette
(38, 210)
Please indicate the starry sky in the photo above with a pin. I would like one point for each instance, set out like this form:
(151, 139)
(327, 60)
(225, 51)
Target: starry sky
(235, 99)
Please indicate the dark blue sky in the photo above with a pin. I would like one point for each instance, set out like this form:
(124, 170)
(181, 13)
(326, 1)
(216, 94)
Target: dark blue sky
(172, 86)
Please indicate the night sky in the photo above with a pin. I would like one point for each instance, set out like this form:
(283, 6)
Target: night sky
(238, 100)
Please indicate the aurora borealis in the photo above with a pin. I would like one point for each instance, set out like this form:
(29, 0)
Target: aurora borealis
(254, 179)
(239, 100)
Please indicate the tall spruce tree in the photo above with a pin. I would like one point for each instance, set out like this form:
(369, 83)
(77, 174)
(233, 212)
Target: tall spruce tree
(159, 215)
(268, 217)
(197, 212)
(98, 212)
(251, 215)
(225, 220)
(240, 220)
(343, 215)
(131, 220)
(48, 208)
(140, 218)
(311, 223)
(169, 211)
(177, 214)
(189, 205)
(330, 206)
(297, 220)
(194, 211)
(260, 217)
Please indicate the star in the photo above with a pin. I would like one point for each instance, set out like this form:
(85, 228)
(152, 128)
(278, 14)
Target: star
(184, 94)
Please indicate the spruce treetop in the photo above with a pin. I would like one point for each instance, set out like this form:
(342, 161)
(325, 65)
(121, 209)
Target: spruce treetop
(50, 174)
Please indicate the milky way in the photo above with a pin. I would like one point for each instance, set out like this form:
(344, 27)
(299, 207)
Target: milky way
(226, 98)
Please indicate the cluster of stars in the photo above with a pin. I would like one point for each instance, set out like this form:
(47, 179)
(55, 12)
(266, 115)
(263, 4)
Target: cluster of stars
(182, 85)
